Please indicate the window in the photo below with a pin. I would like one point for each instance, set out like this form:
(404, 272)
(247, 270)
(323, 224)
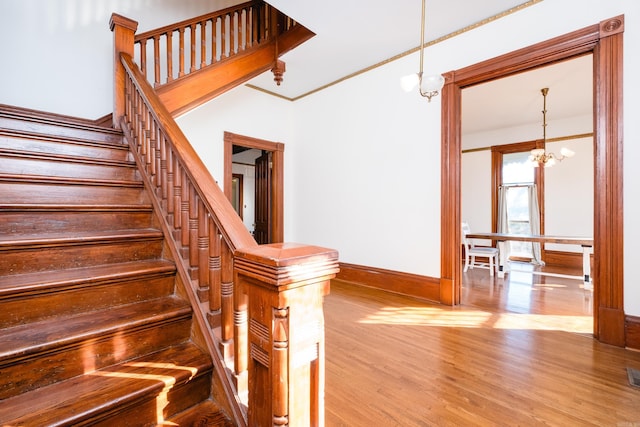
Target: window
(517, 176)
(511, 172)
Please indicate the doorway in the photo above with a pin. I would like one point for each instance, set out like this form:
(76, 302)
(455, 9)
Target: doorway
(268, 222)
(604, 41)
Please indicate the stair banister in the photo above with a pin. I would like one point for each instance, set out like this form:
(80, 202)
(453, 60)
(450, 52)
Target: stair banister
(277, 360)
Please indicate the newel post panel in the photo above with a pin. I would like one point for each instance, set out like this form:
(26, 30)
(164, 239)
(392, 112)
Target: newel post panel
(123, 30)
(284, 285)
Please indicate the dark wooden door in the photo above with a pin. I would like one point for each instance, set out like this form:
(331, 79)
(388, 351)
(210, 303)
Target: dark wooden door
(262, 231)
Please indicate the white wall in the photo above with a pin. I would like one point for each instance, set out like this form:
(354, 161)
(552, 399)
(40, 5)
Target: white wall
(369, 172)
(61, 51)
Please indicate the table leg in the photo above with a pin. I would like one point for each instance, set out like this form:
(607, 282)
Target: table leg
(501, 258)
(586, 267)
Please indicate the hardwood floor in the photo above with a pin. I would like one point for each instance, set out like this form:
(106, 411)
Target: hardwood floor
(511, 355)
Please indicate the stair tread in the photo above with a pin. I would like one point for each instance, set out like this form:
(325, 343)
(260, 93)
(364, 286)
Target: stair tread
(53, 157)
(85, 396)
(37, 337)
(58, 238)
(48, 179)
(32, 282)
(73, 207)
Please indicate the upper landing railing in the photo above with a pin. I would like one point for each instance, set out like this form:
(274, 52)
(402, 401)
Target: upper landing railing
(176, 50)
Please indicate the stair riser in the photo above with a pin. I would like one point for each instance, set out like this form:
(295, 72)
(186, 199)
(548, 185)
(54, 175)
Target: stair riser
(74, 256)
(60, 130)
(157, 407)
(32, 222)
(41, 369)
(64, 149)
(11, 166)
(19, 309)
(35, 193)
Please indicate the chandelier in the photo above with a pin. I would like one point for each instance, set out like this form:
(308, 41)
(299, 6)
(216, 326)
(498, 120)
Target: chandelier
(429, 86)
(539, 156)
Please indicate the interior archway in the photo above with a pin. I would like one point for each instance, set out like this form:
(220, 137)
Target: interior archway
(604, 41)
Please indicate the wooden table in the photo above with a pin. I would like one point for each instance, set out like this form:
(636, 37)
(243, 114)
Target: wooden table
(501, 238)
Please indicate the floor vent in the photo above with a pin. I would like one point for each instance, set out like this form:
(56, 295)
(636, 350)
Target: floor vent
(634, 377)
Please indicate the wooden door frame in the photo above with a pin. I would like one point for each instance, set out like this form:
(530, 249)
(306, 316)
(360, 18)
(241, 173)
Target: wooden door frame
(277, 148)
(604, 42)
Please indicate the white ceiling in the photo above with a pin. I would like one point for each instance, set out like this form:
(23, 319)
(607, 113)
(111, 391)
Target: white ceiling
(356, 34)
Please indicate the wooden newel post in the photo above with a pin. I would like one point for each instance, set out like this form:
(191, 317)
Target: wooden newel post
(124, 30)
(285, 284)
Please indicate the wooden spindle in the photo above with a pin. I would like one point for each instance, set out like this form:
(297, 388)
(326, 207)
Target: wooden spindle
(156, 60)
(184, 209)
(203, 44)
(227, 305)
(233, 28)
(169, 39)
(192, 44)
(214, 40)
(143, 56)
(181, 52)
(193, 230)
(223, 37)
(177, 197)
(214, 267)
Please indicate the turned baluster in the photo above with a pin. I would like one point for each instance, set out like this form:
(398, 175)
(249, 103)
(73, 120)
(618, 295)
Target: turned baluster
(184, 211)
(156, 60)
(162, 167)
(214, 267)
(177, 197)
(156, 136)
(233, 28)
(203, 44)
(143, 57)
(193, 231)
(223, 37)
(203, 247)
(226, 293)
(214, 40)
(181, 52)
(169, 38)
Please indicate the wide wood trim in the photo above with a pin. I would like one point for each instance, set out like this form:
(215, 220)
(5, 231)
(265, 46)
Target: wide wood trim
(450, 193)
(632, 326)
(277, 196)
(412, 285)
(185, 93)
(604, 41)
(608, 206)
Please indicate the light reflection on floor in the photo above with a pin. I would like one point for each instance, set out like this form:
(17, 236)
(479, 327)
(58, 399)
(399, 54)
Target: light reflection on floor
(470, 318)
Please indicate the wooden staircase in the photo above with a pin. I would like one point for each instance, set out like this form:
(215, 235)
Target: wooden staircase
(93, 330)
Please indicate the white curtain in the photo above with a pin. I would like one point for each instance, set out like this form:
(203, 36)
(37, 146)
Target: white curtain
(503, 221)
(534, 223)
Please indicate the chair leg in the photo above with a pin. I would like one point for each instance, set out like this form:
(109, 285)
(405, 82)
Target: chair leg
(466, 263)
(491, 265)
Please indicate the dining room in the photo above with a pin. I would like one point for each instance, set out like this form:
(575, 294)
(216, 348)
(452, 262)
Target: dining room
(527, 170)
